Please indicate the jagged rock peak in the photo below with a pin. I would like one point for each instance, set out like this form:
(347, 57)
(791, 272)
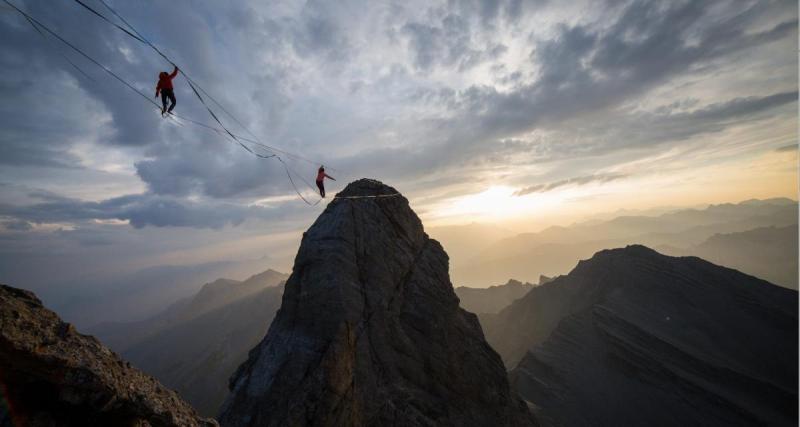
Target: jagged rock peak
(370, 333)
(54, 376)
(368, 187)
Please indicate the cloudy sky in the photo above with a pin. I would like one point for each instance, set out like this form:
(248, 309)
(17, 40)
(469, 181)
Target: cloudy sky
(524, 113)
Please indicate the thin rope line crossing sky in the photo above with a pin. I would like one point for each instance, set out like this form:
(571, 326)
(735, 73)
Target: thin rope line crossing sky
(141, 38)
(34, 22)
(196, 88)
(377, 196)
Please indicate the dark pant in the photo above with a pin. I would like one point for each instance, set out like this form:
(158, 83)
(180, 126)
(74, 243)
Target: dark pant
(168, 94)
(321, 188)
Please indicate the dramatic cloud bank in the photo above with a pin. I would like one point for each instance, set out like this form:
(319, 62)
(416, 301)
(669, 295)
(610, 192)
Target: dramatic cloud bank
(441, 99)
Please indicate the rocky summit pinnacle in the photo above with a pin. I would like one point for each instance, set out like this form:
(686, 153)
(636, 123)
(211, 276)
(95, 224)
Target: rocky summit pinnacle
(370, 332)
(51, 375)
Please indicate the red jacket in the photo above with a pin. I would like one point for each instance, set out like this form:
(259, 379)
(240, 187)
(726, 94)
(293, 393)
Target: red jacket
(321, 175)
(165, 81)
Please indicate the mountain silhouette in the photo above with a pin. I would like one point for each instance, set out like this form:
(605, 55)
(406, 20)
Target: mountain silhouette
(634, 337)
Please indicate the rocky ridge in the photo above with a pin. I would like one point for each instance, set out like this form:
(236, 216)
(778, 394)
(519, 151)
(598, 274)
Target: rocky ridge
(491, 299)
(370, 333)
(54, 376)
(634, 337)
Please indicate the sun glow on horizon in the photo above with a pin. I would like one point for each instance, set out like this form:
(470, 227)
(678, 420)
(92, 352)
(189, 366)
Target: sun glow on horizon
(497, 202)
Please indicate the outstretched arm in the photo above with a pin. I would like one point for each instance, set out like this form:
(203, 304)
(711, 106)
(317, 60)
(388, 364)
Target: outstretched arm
(174, 72)
(330, 177)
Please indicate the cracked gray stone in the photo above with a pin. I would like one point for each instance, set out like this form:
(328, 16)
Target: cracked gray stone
(51, 375)
(370, 332)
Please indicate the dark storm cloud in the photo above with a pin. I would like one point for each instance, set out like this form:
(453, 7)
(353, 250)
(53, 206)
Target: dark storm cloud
(588, 73)
(582, 180)
(48, 106)
(490, 11)
(274, 70)
(140, 210)
(585, 69)
(214, 167)
(16, 225)
(447, 44)
(28, 55)
(716, 117)
(625, 130)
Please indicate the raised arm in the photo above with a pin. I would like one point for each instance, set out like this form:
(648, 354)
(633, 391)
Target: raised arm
(174, 72)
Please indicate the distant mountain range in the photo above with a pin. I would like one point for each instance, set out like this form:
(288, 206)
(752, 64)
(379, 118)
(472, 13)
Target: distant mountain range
(770, 253)
(195, 345)
(463, 242)
(368, 330)
(633, 337)
(556, 250)
(140, 294)
(493, 298)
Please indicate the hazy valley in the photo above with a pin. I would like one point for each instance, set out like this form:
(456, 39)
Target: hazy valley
(624, 333)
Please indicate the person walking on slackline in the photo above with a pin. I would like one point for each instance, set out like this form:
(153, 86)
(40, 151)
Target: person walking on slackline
(321, 175)
(165, 87)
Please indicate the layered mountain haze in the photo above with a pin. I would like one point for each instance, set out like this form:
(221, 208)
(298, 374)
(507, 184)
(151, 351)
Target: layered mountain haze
(141, 294)
(770, 253)
(198, 356)
(556, 250)
(51, 375)
(122, 335)
(493, 298)
(195, 345)
(545, 146)
(464, 242)
(370, 332)
(634, 335)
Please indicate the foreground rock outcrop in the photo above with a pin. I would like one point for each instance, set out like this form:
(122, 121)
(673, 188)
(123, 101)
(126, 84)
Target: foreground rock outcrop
(370, 332)
(50, 375)
(633, 337)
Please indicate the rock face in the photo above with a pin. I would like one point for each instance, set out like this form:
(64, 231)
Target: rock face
(53, 376)
(370, 333)
(493, 298)
(633, 337)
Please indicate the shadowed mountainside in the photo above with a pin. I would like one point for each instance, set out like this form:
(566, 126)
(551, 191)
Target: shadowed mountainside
(198, 356)
(121, 336)
(195, 345)
(634, 335)
(493, 298)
